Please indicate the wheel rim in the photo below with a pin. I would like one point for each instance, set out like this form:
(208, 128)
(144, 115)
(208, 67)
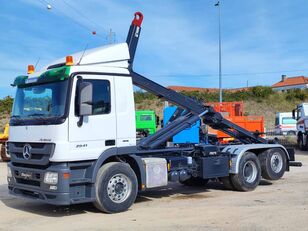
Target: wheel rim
(119, 188)
(250, 171)
(276, 162)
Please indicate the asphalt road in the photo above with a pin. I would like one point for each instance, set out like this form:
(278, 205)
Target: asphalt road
(280, 205)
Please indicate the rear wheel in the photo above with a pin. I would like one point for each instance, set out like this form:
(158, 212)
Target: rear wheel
(195, 181)
(116, 187)
(249, 173)
(273, 163)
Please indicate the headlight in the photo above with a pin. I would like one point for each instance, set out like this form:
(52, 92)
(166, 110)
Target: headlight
(9, 172)
(51, 178)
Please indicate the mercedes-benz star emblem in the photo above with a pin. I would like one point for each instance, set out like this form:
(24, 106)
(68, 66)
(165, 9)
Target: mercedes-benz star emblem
(26, 152)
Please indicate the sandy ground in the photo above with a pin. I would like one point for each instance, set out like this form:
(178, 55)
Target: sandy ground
(281, 205)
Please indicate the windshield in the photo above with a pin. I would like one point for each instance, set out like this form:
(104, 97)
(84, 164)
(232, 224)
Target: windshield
(288, 120)
(40, 101)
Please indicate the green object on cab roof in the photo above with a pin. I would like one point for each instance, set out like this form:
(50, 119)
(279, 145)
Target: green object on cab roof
(52, 75)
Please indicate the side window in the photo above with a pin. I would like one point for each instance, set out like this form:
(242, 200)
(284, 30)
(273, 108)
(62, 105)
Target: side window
(101, 96)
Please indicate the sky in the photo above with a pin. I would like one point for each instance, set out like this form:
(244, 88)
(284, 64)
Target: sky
(261, 39)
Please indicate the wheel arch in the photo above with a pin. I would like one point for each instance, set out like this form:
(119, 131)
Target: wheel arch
(114, 155)
(238, 151)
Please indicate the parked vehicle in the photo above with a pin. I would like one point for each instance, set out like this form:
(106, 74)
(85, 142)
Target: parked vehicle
(146, 122)
(3, 139)
(234, 111)
(285, 124)
(190, 135)
(300, 113)
(73, 136)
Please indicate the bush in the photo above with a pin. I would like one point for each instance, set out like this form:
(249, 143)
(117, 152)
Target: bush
(6, 105)
(296, 94)
(261, 91)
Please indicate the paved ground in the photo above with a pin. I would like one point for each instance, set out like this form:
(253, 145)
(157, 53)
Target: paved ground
(282, 205)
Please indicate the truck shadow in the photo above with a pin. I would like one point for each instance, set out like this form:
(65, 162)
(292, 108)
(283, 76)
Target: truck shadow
(39, 208)
(175, 191)
(178, 191)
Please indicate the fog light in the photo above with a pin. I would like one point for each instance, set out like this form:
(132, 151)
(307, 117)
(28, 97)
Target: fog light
(53, 187)
(51, 178)
(9, 172)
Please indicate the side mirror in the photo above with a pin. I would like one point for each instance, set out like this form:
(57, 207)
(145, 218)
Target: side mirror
(293, 114)
(85, 99)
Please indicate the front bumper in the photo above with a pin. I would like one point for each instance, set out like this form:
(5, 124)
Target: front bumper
(65, 192)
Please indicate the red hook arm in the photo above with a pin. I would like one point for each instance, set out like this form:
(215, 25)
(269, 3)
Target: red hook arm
(137, 19)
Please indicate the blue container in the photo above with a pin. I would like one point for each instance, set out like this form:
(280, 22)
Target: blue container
(189, 135)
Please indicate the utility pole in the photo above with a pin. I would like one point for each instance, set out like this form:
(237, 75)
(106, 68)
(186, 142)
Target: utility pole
(219, 44)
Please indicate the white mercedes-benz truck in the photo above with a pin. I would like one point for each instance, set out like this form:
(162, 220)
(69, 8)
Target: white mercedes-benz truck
(73, 136)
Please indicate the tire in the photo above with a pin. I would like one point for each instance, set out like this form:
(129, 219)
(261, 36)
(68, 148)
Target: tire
(300, 143)
(227, 182)
(116, 188)
(195, 181)
(273, 163)
(249, 174)
(3, 155)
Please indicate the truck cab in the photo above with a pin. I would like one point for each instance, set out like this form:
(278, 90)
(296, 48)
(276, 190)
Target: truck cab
(300, 113)
(49, 106)
(64, 117)
(146, 122)
(285, 124)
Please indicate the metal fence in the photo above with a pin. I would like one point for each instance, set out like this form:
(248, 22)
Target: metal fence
(284, 139)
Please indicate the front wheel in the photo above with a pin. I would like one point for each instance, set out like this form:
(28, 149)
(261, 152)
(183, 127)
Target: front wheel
(273, 163)
(249, 173)
(116, 187)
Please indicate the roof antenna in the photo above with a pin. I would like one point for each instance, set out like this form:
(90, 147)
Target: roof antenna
(84, 51)
(37, 62)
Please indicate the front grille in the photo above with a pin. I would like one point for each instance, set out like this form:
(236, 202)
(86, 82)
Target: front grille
(28, 182)
(33, 145)
(40, 153)
(33, 179)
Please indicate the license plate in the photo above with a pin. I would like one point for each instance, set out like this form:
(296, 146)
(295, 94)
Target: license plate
(26, 175)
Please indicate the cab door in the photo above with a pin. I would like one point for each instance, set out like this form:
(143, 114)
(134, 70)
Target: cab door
(98, 130)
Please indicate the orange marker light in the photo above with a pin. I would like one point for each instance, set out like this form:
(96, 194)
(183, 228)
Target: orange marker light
(30, 69)
(66, 175)
(69, 60)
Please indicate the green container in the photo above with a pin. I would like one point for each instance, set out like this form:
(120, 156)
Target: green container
(146, 122)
